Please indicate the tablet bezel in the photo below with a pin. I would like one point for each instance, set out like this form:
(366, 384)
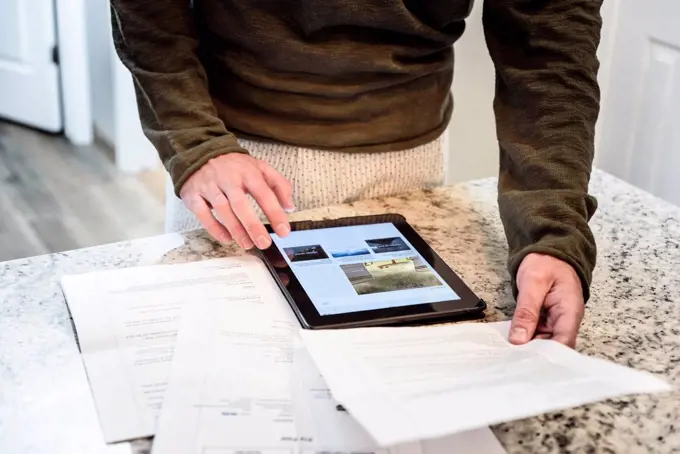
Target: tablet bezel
(468, 306)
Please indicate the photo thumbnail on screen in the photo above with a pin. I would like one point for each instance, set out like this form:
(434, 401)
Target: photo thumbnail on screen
(350, 253)
(391, 275)
(383, 245)
(305, 253)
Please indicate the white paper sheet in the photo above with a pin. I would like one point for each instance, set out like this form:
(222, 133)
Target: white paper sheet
(241, 382)
(404, 384)
(127, 323)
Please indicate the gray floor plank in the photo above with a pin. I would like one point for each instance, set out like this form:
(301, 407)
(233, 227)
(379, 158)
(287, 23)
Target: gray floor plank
(58, 197)
(131, 202)
(5, 173)
(23, 174)
(17, 237)
(101, 223)
(57, 234)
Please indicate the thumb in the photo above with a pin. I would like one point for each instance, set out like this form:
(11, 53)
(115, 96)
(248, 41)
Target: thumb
(532, 293)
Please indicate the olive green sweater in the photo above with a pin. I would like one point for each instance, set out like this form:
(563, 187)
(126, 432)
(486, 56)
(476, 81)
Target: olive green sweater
(375, 75)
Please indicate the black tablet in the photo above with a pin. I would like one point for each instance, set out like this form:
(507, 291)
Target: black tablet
(366, 271)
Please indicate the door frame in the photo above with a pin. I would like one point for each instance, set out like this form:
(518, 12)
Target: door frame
(74, 79)
(610, 23)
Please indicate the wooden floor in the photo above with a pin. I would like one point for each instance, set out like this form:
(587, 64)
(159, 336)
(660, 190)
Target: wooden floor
(56, 197)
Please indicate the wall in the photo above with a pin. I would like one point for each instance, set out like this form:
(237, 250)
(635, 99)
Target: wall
(473, 147)
(134, 152)
(100, 68)
(610, 11)
(114, 108)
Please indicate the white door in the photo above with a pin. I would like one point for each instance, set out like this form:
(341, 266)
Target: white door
(640, 120)
(29, 77)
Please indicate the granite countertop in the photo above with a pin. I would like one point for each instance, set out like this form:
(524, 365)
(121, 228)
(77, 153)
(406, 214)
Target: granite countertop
(633, 318)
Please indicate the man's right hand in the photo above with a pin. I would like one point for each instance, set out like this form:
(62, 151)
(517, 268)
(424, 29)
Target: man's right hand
(223, 184)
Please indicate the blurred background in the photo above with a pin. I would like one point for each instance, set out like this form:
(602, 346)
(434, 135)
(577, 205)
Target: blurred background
(76, 171)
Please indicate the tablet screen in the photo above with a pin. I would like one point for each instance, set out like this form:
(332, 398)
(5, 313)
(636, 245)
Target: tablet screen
(361, 267)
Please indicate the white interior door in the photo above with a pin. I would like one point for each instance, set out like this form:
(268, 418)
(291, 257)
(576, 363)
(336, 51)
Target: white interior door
(640, 130)
(29, 78)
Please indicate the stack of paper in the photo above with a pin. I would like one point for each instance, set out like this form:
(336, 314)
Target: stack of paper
(403, 384)
(236, 379)
(239, 376)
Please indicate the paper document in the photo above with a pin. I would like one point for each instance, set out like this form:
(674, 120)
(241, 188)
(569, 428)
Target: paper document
(127, 323)
(404, 384)
(241, 382)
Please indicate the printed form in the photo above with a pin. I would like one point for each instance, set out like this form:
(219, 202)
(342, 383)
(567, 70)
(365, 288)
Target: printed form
(404, 384)
(239, 328)
(242, 382)
(127, 322)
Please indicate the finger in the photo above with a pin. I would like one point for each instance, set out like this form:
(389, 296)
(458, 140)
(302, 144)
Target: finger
(285, 280)
(532, 292)
(279, 263)
(279, 184)
(567, 321)
(270, 206)
(243, 209)
(221, 205)
(197, 205)
(545, 324)
(274, 258)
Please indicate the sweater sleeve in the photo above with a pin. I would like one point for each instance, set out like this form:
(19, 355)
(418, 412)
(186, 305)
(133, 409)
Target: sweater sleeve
(546, 106)
(157, 42)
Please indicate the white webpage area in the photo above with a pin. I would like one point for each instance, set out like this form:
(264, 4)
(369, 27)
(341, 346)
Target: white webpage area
(360, 268)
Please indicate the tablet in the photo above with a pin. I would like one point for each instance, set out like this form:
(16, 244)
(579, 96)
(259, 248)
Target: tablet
(366, 271)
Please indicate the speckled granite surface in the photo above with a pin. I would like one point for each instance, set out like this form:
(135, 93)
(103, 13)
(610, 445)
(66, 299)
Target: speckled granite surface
(633, 318)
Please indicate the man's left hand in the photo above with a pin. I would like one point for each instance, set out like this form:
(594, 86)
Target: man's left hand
(549, 303)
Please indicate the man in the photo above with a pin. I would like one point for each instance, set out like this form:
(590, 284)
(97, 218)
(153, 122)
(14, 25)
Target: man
(344, 99)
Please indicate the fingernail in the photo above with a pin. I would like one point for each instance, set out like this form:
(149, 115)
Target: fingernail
(290, 209)
(263, 242)
(282, 229)
(518, 335)
(246, 243)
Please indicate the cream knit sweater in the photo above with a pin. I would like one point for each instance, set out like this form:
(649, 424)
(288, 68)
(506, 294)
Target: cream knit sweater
(322, 178)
